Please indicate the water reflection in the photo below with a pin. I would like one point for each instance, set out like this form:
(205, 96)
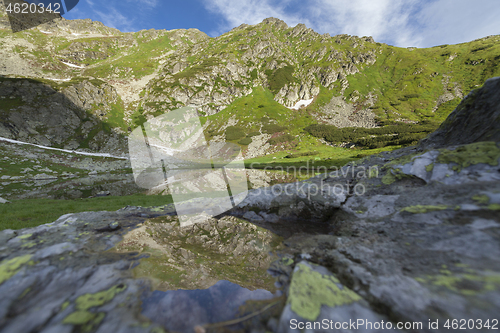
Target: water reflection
(201, 273)
(182, 310)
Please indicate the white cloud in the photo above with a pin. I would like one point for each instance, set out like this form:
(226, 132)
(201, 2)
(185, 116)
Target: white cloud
(396, 22)
(146, 3)
(385, 20)
(252, 12)
(457, 21)
(115, 19)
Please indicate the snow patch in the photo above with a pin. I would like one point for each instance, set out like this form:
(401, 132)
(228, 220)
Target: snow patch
(72, 65)
(302, 103)
(52, 79)
(63, 150)
(45, 32)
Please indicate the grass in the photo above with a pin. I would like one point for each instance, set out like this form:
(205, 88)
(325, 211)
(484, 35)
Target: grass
(409, 82)
(30, 213)
(257, 109)
(311, 157)
(279, 77)
(115, 116)
(139, 58)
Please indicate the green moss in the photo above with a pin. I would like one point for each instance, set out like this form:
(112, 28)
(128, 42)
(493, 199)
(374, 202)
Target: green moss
(421, 209)
(25, 236)
(392, 175)
(373, 172)
(10, 267)
(429, 167)
(465, 284)
(89, 320)
(388, 178)
(28, 245)
(471, 154)
(310, 290)
(64, 305)
(494, 207)
(86, 319)
(481, 199)
(88, 301)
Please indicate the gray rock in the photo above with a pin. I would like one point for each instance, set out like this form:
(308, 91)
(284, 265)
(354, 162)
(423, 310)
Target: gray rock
(317, 301)
(474, 120)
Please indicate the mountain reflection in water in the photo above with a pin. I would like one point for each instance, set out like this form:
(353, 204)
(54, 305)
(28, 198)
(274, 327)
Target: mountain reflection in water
(181, 310)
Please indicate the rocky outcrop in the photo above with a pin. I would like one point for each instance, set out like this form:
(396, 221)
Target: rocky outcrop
(253, 58)
(475, 119)
(415, 239)
(71, 118)
(39, 267)
(341, 113)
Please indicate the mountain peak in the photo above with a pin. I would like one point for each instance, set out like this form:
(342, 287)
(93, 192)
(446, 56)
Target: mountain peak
(275, 21)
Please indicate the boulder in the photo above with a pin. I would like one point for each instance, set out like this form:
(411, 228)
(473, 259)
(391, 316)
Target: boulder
(475, 119)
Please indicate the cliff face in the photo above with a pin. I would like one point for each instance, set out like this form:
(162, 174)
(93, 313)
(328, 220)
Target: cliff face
(71, 118)
(475, 119)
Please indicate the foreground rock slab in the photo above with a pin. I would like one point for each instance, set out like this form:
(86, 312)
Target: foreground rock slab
(60, 277)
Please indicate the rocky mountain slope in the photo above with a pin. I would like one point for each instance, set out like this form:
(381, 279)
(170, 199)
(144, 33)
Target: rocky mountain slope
(247, 80)
(408, 237)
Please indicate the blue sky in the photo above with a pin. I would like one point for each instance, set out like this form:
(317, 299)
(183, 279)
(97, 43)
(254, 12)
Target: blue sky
(402, 23)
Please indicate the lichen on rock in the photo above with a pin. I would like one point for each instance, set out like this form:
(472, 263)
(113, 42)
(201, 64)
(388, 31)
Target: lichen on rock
(310, 290)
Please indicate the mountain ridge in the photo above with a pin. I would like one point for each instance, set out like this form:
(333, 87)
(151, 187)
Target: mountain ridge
(353, 81)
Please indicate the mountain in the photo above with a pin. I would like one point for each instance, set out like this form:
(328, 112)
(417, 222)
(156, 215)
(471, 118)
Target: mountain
(100, 83)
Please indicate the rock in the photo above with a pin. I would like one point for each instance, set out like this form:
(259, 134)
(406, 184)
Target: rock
(317, 296)
(421, 240)
(313, 199)
(44, 176)
(3, 201)
(252, 217)
(66, 260)
(475, 119)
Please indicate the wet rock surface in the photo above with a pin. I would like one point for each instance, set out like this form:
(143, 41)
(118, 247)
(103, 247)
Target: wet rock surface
(110, 272)
(199, 255)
